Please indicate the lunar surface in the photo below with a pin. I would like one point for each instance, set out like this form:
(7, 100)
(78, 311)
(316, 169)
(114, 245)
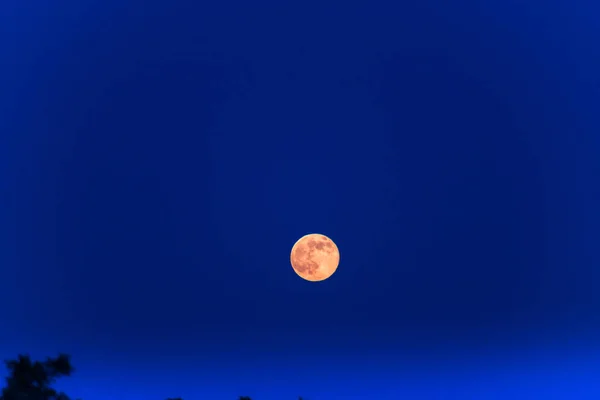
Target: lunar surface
(315, 257)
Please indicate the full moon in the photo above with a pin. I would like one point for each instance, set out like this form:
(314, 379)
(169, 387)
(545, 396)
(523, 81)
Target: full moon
(315, 257)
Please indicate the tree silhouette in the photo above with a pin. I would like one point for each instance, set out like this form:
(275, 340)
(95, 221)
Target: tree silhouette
(29, 380)
(33, 380)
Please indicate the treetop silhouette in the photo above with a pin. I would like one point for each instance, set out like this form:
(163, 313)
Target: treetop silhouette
(33, 380)
(30, 380)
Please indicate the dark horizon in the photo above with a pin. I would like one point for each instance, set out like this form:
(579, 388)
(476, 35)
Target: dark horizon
(159, 161)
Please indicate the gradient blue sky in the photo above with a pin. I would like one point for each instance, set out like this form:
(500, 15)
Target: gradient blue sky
(159, 159)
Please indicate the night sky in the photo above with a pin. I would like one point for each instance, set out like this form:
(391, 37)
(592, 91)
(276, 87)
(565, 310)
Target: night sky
(158, 160)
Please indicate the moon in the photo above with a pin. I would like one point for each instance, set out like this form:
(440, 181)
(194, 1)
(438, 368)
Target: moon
(315, 257)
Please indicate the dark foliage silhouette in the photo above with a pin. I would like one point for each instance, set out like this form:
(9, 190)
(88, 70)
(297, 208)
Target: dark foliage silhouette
(33, 380)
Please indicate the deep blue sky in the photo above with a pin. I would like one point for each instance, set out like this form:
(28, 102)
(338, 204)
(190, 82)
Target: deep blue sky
(159, 159)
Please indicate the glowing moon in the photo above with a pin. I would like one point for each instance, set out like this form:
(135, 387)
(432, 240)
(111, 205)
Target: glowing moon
(315, 257)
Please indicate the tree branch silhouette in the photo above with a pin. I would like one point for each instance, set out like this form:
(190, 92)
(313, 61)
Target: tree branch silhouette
(29, 380)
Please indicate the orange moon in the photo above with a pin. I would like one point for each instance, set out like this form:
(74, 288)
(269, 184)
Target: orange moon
(315, 257)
